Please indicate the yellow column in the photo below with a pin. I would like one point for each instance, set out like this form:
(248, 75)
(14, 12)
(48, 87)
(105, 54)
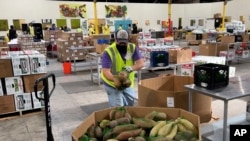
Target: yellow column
(223, 16)
(96, 20)
(169, 19)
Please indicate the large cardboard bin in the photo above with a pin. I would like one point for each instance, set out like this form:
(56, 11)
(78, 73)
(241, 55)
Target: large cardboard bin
(169, 91)
(172, 113)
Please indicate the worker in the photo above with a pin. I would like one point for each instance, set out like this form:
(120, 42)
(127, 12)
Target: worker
(12, 34)
(120, 56)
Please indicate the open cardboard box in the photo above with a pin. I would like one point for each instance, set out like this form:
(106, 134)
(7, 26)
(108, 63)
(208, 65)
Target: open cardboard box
(168, 91)
(172, 113)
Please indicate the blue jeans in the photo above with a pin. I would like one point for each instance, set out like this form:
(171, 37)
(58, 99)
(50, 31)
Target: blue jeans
(120, 97)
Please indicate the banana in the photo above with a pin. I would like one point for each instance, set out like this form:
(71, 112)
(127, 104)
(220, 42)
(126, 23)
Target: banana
(156, 128)
(188, 125)
(173, 132)
(181, 127)
(164, 130)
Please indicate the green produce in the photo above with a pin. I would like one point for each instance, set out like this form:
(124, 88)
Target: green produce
(160, 116)
(181, 127)
(104, 123)
(158, 138)
(165, 130)
(84, 138)
(144, 122)
(125, 135)
(172, 133)
(187, 124)
(151, 115)
(156, 128)
(121, 128)
(107, 135)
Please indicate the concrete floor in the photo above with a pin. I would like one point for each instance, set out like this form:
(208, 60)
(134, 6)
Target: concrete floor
(67, 114)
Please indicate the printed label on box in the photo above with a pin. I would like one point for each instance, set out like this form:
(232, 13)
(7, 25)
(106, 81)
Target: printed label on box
(187, 70)
(23, 101)
(36, 102)
(14, 85)
(170, 102)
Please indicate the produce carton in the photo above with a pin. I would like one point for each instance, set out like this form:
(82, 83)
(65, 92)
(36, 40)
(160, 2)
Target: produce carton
(169, 92)
(172, 113)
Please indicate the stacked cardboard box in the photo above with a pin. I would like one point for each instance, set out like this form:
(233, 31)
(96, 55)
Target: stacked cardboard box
(100, 42)
(168, 91)
(71, 40)
(18, 73)
(52, 35)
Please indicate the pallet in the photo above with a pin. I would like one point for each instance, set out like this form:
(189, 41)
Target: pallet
(18, 114)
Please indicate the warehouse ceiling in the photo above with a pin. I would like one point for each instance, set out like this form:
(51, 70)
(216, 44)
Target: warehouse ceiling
(152, 1)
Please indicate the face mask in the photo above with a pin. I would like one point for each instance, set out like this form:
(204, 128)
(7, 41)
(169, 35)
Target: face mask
(122, 48)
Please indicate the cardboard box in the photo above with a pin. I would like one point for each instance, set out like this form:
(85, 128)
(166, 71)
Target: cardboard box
(29, 82)
(7, 104)
(228, 39)
(35, 102)
(97, 116)
(207, 49)
(230, 55)
(21, 65)
(180, 55)
(13, 85)
(6, 68)
(23, 101)
(37, 63)
(169, 91)
(100, 48)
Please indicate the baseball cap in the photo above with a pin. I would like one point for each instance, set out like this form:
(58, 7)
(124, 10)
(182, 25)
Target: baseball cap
(122, 36)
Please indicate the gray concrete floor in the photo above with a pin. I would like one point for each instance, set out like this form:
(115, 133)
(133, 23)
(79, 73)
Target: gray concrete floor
(67, 114)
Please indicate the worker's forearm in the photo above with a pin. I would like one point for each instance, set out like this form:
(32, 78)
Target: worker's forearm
(138, 65)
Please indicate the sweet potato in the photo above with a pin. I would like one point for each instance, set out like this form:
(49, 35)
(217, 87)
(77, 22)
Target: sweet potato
(91, 131)
(121, 128)
(144, 122)
(139, 138)
(128, 134)
(107, 135)
(123, 120)
(98, 132)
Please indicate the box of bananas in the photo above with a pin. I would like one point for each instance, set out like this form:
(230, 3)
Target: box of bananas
(139, 124)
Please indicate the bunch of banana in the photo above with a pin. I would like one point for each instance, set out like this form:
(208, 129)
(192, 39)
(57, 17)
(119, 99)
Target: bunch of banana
(162, 128)
(184, 124)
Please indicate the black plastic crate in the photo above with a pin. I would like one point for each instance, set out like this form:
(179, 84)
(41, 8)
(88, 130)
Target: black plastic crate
(211, 76)
(159, 59)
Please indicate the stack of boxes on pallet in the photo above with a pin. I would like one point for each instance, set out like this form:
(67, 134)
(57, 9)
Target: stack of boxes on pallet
(3, 46)
(52, 35)
(68, 40)
(158, 51)
(230, 46)
(18, 72)
(27, 43)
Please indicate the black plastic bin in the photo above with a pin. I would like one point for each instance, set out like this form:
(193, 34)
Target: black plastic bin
(159, 59)
(211, 76)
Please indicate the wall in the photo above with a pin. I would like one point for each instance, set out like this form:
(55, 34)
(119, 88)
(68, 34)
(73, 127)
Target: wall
(35, 10)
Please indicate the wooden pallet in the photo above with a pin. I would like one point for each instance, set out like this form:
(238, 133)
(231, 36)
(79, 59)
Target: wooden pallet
(18, 114)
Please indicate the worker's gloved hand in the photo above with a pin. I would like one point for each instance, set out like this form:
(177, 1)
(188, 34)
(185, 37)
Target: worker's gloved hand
(128, 69)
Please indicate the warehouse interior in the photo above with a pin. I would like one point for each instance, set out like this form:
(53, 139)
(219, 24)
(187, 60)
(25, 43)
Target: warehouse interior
(70, 59)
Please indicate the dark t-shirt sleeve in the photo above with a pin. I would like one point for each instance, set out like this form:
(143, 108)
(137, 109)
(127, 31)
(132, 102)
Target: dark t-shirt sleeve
(106, 60)
(137, 54)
